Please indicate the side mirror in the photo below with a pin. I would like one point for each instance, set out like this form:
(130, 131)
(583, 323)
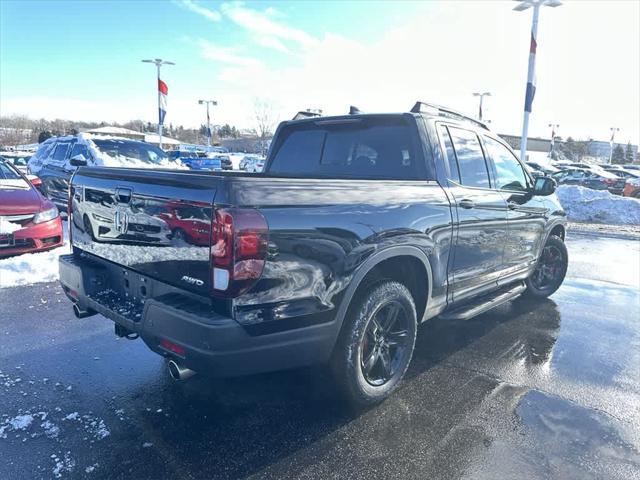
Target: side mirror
(544, 186)
(78, 160)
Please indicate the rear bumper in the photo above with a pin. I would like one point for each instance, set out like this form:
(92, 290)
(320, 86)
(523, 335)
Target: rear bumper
(213, 343)
(35, 238)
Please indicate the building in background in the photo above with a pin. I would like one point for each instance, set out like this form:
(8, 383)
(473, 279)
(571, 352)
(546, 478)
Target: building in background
(590, 151)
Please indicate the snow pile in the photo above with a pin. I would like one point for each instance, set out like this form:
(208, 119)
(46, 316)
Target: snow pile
(33, 267)
(598, 206)
(7, 227)
(20, 422)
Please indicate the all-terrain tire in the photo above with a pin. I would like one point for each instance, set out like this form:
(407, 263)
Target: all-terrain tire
(346, 361)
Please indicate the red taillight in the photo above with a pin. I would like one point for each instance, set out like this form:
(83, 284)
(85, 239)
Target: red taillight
(238, 250)
(172, 347)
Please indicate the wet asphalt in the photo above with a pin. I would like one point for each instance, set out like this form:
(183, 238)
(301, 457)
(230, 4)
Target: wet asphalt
(529, 390)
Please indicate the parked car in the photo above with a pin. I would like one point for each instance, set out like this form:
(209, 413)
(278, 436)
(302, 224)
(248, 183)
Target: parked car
(588, 166)
(197, 160)
(28, 222)
(361, 227)
(622, 172)
(252, 163)
(596, 180)
(631, 166)
(96, 217)
(190, 223)
(632, 188)
(18, 159)
(225, 161)
(57, 159)
(546, 169)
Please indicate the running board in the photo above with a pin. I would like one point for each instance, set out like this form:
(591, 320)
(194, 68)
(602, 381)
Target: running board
(485, 303)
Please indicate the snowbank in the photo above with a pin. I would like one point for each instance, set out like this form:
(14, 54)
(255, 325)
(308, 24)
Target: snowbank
(8, 227)
(598, 206)
(33, 267)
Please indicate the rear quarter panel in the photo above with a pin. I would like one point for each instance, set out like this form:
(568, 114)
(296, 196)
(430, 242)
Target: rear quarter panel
(322, 231)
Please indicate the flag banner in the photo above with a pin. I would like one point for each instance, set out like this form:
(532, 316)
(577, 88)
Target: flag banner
(163, 91)
(531, 92)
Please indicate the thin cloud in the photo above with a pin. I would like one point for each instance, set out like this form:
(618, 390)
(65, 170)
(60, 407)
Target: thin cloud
(227, 55)
(207, 13)
(260, 23)
(272, 42)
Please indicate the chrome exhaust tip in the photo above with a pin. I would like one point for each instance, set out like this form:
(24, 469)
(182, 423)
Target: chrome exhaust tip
(178, 372)
(80, 313)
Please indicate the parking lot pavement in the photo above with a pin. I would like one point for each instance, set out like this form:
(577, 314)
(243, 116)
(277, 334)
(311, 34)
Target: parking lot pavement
(529, 390)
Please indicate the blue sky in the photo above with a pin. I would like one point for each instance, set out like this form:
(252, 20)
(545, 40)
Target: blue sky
(81, 59)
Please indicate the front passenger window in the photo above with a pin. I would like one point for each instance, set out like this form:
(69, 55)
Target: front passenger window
(509, 173)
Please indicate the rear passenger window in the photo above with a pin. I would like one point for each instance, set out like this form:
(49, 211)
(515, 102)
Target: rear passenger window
(452, 165)
(471, 163)
(372, 148)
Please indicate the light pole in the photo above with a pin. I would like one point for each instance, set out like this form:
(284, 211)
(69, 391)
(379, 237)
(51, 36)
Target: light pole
(531, 70)
(207, 103)
(481, 95)
(162, 95)
(553, 126)
(613, 135)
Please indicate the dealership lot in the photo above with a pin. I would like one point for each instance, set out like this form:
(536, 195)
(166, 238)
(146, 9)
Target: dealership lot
(547, 390)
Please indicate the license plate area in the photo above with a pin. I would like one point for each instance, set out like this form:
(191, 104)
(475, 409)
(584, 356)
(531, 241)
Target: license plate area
(7, 240)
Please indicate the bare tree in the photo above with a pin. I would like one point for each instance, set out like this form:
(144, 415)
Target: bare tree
(265, 119)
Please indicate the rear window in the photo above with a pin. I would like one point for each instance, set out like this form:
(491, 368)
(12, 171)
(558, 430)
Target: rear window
(8, 173)
(367, 148)
(131, 150)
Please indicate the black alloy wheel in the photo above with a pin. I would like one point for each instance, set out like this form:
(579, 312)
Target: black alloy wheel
(384, 344)
(550, 269)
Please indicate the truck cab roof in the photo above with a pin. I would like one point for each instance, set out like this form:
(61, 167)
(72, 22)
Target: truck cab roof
(420, 109)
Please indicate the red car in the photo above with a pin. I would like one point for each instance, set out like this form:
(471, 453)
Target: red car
(28, 221)
(191, 223)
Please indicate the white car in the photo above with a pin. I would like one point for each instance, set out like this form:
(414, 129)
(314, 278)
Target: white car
(252, 163)
(96, 215)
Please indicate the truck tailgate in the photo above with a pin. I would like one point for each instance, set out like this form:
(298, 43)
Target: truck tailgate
(153, 222)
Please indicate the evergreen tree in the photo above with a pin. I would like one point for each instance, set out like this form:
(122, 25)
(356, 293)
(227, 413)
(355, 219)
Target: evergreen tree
(44, 136)
(628, 153)
(618, 155)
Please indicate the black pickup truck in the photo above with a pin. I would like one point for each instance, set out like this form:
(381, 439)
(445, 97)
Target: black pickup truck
(360, 228)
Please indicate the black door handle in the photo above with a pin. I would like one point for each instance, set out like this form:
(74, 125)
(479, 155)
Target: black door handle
(466, 203)
(512, 205)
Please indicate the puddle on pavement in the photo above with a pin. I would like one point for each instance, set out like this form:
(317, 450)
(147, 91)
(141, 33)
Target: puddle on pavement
(576, 438)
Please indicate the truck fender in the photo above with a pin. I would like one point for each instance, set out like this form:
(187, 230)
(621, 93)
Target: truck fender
(368, 265)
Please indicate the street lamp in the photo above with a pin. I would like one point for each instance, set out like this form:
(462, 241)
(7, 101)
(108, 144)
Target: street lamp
(613, 134)
(531, 71)
(208, 102)
(481, 95)
(553, 126)
(162, 95)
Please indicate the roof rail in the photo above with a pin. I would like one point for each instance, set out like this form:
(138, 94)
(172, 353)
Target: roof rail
(424, 107)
